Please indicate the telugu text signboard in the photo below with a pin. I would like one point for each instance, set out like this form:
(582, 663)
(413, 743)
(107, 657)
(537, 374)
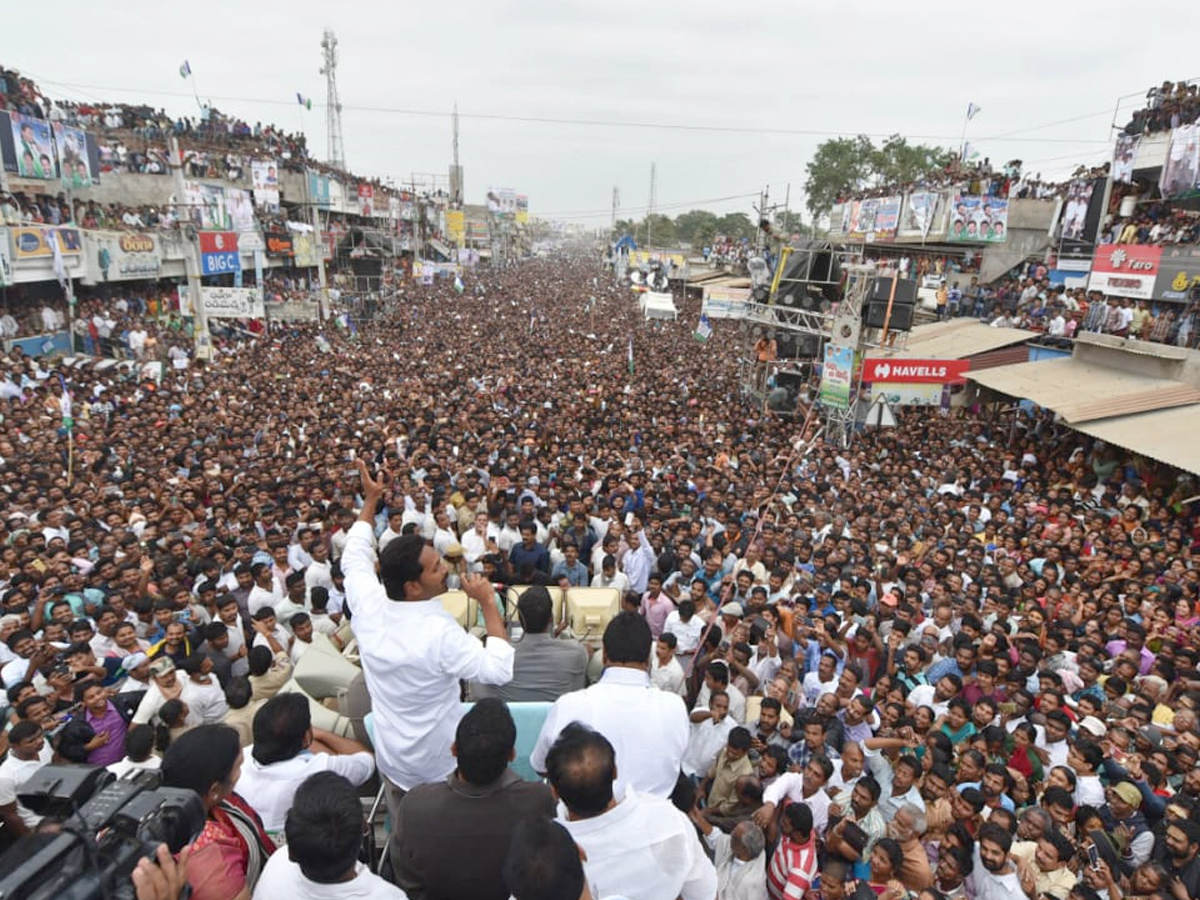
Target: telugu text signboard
(231, 303)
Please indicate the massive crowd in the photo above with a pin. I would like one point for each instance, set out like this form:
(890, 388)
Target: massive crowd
(945, 663)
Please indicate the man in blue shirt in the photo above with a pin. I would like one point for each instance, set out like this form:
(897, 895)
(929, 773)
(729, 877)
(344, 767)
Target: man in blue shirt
(962, 663)
(529, 555)
(570, 568)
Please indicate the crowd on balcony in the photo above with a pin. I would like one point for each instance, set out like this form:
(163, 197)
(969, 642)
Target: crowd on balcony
(1167, 106)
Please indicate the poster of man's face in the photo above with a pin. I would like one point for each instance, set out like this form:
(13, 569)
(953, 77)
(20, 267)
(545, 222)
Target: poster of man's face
(35, 155)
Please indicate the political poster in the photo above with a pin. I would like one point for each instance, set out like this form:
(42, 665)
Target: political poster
(1124, 161)
(1083, 209)
(978, 220)
(306, 251)
(862, 219)
(836, 374)
(366, 200)
(240, 209)
(887, 217)
(522, 209)
(456, 226)
(838, 225)
(264, 175)
(74, 163)
(121, 256)
(1181, 171)
(267, 200)
(35, 242)
(920, 210)
(206, 205)
(318, 190)
(32, 148)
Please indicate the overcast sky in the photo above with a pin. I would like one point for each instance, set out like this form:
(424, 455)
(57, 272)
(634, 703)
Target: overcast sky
(822, 67)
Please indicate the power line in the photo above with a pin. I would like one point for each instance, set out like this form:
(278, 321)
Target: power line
(591, 123)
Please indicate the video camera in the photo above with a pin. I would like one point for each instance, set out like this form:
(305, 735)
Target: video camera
(102, 827)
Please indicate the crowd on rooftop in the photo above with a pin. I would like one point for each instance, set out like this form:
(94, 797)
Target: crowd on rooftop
(956, 660)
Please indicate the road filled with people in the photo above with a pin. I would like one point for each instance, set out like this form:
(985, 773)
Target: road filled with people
(958, 659)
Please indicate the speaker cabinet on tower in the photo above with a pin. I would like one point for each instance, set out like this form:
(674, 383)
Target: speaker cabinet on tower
(901, 320)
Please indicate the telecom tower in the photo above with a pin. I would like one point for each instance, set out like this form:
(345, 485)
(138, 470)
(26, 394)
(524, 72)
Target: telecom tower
(333, 105)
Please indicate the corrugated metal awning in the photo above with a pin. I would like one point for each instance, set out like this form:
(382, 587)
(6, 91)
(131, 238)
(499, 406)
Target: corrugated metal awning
(1167, 435)
(1083, 392)
(959, 339)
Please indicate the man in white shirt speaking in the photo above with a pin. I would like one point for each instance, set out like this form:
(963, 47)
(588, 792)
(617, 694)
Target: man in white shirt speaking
(413, 652)
(648, 727)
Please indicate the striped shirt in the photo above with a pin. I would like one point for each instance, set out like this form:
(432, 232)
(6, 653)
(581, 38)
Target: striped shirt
(792, 869)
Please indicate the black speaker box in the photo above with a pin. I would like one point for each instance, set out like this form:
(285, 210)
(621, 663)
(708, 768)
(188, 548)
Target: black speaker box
(902, 315)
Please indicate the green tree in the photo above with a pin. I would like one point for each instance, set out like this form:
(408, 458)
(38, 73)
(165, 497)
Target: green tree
(837, 165)
(897, 161)
(689, 224)
(624, 227)
(736, 225)
(855, 164)
(656, 230)
(790, 222)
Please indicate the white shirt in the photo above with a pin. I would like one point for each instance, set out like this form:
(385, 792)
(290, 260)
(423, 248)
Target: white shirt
(736, 879)
(206, 702)
(122, 768)
(413, 655)
(791, 785)
(282, 878)
(687, 634)
(648, 728)
(986, 886)
(669, 678)
(260, 597)
(618, 581)
(14, 773)
(645, 848)
(704, 743)
(637, 565)
(737, 701)
(475, 545)
(1089, 791)
(318, 575)
(270, 789)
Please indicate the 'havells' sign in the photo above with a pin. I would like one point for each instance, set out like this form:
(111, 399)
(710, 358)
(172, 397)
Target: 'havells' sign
(915, 371)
